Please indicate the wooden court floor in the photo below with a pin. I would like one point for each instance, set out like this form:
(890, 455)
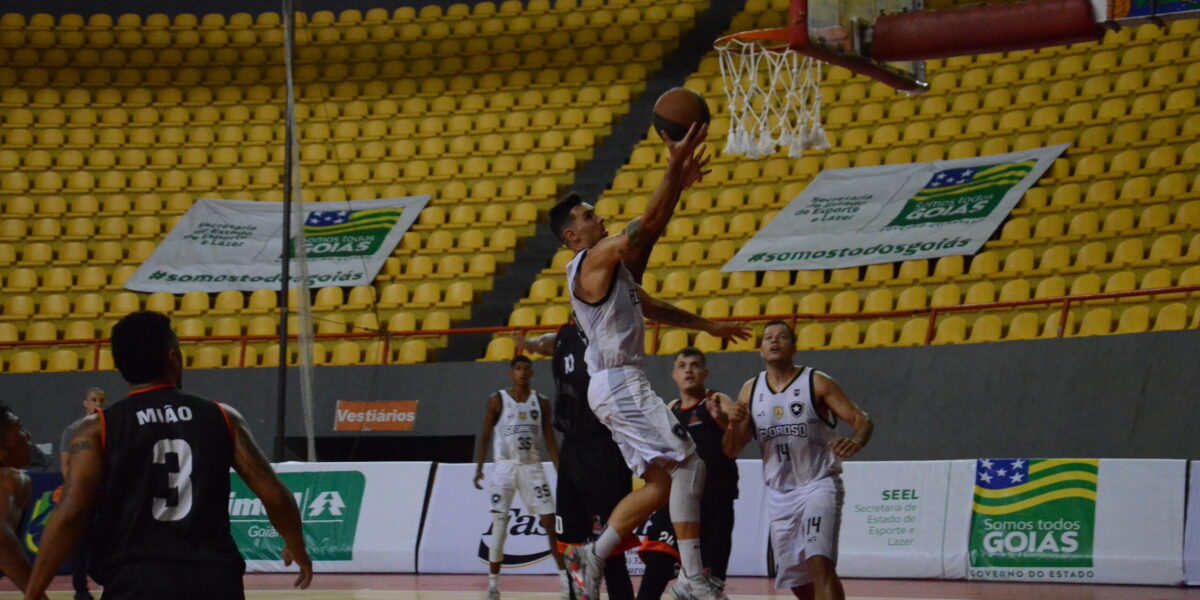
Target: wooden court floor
(471, 587)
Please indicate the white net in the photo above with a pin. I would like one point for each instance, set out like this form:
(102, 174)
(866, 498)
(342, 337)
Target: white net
(774, 99)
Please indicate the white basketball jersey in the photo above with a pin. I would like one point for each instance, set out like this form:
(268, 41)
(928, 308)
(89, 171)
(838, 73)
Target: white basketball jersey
(518, 433)
(615, 327)
(793, 438)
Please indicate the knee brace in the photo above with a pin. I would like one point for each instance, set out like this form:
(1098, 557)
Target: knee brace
(687, 487)
(499, 533)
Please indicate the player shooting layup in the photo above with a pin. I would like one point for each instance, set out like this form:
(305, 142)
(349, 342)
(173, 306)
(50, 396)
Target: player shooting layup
(793, 412)
(611, 309)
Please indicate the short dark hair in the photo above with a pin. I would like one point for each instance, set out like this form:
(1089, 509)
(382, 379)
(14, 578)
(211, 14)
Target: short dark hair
(521, 358)
(791, 332)
(140, 343)
(560, 215)
(692, 351)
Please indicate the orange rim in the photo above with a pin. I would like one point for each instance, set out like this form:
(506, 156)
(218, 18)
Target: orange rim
(766, 36)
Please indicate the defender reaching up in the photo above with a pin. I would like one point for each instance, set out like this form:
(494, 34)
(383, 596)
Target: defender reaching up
(611, 309)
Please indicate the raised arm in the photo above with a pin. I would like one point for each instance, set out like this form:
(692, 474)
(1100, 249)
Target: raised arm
(685, 166)
(831, 396)
(256, 471)
(74, 510)
(543, 344)
(548, 430)
(485, 437)
(739, 430)
(668, 314)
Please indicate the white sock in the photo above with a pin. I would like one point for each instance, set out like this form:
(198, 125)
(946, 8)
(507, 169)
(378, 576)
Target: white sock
(493, 581)
(562, 578)
(689, 557)
(606, 543)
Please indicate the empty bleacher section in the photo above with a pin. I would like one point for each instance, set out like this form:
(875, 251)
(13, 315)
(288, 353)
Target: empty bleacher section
(111, 126)
(1119, 212)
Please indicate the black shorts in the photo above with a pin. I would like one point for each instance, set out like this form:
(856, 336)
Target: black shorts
(178, 580)
(592, 480)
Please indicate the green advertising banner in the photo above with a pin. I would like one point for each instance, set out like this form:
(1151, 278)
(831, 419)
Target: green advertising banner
(330, 503)
(1034, 517)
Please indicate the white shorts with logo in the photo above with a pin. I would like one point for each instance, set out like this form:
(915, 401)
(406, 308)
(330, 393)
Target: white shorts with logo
(804, 524)
(510, 477)
(642, 426)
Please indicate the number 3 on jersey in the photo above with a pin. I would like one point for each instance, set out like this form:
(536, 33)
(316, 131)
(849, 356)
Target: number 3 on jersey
(176, 501)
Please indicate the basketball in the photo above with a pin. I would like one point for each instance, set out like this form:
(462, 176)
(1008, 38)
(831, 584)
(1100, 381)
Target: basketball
(676, 110)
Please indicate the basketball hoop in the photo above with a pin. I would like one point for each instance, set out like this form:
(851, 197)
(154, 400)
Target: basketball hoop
(773, 92)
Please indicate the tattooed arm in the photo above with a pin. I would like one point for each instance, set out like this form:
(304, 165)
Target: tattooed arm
(70, 517)
(632, 246)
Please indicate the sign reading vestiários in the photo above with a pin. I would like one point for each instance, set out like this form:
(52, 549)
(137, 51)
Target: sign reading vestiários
(868, 215)
(236, 245)
(398, 415)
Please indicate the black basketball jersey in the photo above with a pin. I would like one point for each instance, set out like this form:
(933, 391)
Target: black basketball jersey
(572, 415)
(167, 459)
(722, 476)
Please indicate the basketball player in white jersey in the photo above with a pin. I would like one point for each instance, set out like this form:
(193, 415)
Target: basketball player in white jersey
(793, 411)
(517, 426)
(611, 309)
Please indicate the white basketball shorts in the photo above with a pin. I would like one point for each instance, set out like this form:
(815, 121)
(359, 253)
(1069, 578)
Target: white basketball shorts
(642, 426)
(804, 524)
(529, 479)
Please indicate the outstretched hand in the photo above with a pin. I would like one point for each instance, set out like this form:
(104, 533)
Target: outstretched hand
(729, 330)
(689, 156)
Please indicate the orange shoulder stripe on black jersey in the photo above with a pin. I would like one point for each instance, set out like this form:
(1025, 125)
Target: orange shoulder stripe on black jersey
(103, 432)
(225, 415)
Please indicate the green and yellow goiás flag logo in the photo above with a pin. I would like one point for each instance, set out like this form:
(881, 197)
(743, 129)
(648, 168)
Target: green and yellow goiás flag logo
(348, 233)
(1034, 513)
(962, 193)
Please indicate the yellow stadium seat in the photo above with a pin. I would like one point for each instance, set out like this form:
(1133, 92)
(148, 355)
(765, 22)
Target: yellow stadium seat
(1096, 322)
(502, 348)
(41, 332)
(987, 328)
(1024, 326)
(780, 305)
(880, 333)
(845, 335)
(1134, 319)
(812, 304)
(1055, 321)
(671, 342)
(912, 298)
(79, 330)
(556, 315)
(946, 295)
(913, 332)
(1171, 317)
(951, 330)
(715, 308)
(811, 337)
(207, 357)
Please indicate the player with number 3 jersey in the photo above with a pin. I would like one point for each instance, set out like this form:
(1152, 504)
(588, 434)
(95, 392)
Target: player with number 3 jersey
(792, 411)
(153, 471)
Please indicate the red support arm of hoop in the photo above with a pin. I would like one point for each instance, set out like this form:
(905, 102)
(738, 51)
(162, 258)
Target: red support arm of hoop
(983, 29)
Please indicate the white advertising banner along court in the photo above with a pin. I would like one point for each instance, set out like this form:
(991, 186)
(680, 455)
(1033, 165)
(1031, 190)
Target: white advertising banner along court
(358, 517)
(869, 215)
(457, 534)
(1191, 552)
(236, 245)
